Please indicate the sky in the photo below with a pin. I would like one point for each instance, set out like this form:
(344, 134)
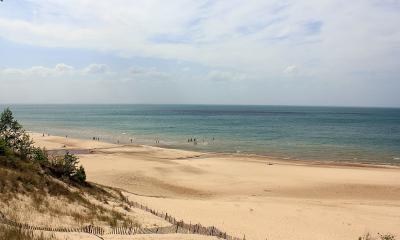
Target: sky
(284, 52)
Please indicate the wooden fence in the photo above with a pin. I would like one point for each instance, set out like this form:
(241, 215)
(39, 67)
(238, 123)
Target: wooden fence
(176, 226)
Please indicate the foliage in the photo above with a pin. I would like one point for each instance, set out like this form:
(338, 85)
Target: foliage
(80, 175)
(14, 135)
(40, 156)
(16, 144)
(24, 145)
(64, 167)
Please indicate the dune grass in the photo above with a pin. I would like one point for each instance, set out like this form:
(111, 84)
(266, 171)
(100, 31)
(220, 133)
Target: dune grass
(11, 233)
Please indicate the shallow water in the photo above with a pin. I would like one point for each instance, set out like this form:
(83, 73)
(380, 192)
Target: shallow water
(315, 133)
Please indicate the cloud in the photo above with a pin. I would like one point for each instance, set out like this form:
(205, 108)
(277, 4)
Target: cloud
(40, 71)
(292, 69)
(96, 69)
(93, 71)
(60, 70)
(63, 68)
(247, 42)
(232, 34)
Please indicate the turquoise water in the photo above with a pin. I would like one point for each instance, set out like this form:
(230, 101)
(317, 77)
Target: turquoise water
(315, 133)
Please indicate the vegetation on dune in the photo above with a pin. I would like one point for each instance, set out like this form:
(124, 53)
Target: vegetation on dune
(30, 171)
(16, 146)
(385, 236)
(19, 234)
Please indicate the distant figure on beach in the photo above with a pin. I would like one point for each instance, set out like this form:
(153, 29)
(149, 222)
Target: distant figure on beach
(43, 134)
(131, 140)
(66, 136)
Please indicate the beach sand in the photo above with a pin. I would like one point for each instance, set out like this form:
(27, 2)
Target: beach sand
(256, 196)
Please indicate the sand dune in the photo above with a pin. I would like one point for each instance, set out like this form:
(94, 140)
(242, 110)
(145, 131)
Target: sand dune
(252, 195)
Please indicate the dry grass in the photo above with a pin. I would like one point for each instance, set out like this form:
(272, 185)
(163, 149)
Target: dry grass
(10, 233)
(27, 191)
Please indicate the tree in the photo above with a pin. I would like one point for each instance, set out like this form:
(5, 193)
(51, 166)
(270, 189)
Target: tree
(14, 135)
(10, 129)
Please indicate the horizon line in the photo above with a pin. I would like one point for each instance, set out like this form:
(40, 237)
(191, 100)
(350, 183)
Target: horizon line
(207, 104)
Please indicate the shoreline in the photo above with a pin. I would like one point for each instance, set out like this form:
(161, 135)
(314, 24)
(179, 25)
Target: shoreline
(280, 160)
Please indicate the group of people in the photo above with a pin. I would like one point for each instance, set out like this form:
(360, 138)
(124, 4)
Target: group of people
(157, 140)
(194, 140)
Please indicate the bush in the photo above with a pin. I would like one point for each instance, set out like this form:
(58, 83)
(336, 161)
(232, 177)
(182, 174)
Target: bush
(66, 167)
(40, 156)
(80, 175)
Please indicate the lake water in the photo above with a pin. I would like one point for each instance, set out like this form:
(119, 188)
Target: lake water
(315, 133)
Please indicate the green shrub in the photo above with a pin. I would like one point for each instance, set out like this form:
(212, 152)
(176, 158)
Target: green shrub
(66, 167)
(80, 175)
(40, 156)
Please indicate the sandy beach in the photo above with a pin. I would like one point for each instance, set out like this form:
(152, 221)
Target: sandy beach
(255, 196)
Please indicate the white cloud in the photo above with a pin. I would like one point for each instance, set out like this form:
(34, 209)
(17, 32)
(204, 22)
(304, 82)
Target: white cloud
(37, 71)
(251, 42)
(60, 70)
(257, 36)
(96, 69)
(93, 71)
(292, 69)
(63, 68)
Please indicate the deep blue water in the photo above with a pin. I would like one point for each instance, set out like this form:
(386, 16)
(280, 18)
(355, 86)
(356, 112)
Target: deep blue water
(316, 133)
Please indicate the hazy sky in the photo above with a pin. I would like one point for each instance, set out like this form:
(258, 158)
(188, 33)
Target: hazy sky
(310, 52)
